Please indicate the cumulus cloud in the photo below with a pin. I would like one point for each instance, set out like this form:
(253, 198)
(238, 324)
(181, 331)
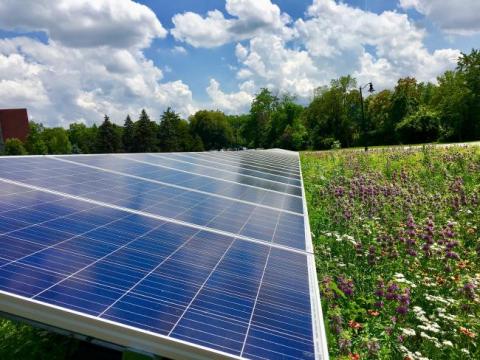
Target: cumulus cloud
(250, 17)
(336, 39)
(333, 39)
(454, 17)
(66, 84)
(19, 83)
(231, 103)
(84, 23)
(92, 64)
(271, 63)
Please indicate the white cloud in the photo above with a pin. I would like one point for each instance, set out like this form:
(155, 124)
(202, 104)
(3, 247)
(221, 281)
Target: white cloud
(251, 17)
(232, 103)
(19, 83)
(271, 63)
(84, 23)
(453, 16)
(241, 51)
(179, 50)
(336, 39)
(92, 64)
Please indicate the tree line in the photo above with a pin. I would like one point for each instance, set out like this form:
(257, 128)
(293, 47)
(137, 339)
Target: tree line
(411, 112)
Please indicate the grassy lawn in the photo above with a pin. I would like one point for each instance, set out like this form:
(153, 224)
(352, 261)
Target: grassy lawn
(397, 239)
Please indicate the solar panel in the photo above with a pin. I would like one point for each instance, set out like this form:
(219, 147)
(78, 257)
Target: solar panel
(161, 254)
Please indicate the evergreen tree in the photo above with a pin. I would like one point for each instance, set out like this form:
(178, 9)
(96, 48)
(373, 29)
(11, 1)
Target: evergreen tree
(128, 135)
(173, 133)
(144, 134)
(108, 140)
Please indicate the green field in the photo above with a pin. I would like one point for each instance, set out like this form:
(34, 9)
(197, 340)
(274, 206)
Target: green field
(397, 243)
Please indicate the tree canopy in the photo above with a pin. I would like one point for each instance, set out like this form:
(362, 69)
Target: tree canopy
(213, 128)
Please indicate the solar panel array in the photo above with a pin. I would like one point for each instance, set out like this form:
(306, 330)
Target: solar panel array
(208, 254)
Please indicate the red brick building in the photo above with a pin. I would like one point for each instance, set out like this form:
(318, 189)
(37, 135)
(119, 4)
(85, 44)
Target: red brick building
(13, 124)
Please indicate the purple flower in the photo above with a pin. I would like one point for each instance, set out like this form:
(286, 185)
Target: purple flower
(391, 296)
(452, 255)
(411, 222)
(469, 290)
(411, 252)
(392, 287)
(404, 299)
(345, 285)
(402, 310)
(339, 191)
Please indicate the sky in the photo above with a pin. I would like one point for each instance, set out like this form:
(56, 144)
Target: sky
(77, 60)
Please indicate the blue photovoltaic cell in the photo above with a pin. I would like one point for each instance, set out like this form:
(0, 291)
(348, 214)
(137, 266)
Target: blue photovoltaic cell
(200, 209)
(255, 161)
(247, 177)
(234, 166)
(269, 174)
(168, 175)
(245, 298)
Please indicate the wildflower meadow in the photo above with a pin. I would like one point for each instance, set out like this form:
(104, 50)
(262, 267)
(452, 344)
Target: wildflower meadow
(397, 241)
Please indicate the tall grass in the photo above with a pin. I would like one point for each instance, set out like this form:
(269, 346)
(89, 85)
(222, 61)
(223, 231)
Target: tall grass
(397, 241)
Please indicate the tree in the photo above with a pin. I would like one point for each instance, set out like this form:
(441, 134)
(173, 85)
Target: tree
(171, 131)
(213, 128)
(108, 140)
(237, 123)
(82, 138)
(294, 136)
(145, 139)
(128, 135)
(469, 70)
(421, 126)
(35, 145)
(334, 114)
(287, 114)
(197, 144)
(57, 141)
(404, 102)
(377, 112)
(452, 103)
(256, 129)
(14, 146)
(174, 134)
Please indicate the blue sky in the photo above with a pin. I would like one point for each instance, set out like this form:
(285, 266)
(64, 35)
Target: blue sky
(75, 61)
